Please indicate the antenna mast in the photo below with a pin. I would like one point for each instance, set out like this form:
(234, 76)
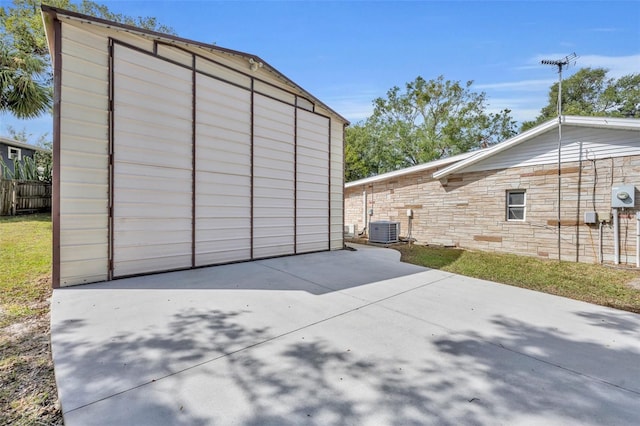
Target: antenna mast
(560, 63)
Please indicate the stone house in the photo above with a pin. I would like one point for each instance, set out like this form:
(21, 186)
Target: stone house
(505, 198)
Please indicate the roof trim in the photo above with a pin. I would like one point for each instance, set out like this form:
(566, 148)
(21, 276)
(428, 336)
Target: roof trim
(412, 169)
(12, 142)
(56, 13)
(600, 122)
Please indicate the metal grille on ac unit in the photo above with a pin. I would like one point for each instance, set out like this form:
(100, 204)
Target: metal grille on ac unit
(384, 232)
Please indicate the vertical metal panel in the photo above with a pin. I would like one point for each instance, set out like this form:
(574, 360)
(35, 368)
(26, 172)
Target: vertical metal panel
(194, 116)
(223, 173)
(111, 127)
(252, 163)
(55, 202)
(82, 163)
(312, 177)
(152, 164)
(273, 189)
(295, 182)
(337, 185)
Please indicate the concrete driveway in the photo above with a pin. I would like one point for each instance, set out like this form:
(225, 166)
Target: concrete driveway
(338, 338)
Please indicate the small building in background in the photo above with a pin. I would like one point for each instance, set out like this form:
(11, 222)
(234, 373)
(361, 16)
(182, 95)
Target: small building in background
(11, 149)
(505, 198)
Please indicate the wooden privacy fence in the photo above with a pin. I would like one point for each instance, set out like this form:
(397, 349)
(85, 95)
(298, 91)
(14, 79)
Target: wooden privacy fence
(20, 196)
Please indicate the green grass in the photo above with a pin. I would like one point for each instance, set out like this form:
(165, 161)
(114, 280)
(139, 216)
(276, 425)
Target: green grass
(597, 284)
(25, 250)
(28, 394)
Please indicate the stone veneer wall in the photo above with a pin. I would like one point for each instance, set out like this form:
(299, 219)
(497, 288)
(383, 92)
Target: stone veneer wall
(468, 210)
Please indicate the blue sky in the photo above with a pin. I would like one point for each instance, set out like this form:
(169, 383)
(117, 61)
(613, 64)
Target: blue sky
(349, 53)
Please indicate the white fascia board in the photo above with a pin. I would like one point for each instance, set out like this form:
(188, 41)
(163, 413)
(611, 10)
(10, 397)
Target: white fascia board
(573, 120)
(603, 122)
(412, 169)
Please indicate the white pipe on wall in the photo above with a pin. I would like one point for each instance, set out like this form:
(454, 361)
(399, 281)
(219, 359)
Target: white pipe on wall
(616, 237)
(637, 239)
(364, 210)
(600, 254)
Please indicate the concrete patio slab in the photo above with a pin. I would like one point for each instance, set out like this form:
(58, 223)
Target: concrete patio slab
(338, 338)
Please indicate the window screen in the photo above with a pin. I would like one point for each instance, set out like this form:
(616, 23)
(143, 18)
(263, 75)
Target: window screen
(516, 205)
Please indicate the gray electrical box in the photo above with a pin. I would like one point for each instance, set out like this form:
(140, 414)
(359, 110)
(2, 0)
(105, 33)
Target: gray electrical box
(623, 196)
(590, 218)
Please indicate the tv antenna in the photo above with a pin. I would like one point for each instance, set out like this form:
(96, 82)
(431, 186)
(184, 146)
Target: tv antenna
(560, 64)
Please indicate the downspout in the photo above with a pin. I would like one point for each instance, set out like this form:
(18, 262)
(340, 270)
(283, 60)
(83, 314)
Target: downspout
(600, 252)
(637, 239)
(616, 237)
(364, 209)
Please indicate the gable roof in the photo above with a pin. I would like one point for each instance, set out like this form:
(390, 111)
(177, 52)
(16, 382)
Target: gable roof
(412, 169)
(594, 122)
(50, 13)
(14, 143)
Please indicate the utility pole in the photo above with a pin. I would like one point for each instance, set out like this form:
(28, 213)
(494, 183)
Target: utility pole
(560, 63)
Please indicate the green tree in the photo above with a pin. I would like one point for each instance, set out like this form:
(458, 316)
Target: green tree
(25, 73)
(24, 90)
(427, 121)
(589, 92)
(360, 159)
(21, 24)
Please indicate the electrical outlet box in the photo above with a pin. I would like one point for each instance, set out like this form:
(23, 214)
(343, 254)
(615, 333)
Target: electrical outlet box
(623, 196)
(590, 218)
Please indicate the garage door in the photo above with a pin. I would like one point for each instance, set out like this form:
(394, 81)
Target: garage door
(152, 178)
(258, 185)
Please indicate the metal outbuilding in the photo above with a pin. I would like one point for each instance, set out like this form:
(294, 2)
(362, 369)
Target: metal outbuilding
(172, 154)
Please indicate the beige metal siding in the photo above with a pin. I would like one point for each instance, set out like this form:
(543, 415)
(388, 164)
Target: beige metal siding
(273, 182)
(274, 92)
(312, 197)
(578, 143)
(223, 172)
(221, 72)
(84, 157)
(174, 54)
(152, 164)
(337, 184)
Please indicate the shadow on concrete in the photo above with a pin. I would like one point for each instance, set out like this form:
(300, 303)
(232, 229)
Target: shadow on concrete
(623, 322)
(547, 372)
(465, 379)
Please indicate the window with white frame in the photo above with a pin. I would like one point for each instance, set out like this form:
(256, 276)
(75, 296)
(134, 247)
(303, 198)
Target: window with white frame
(15, 153)
(516, 205)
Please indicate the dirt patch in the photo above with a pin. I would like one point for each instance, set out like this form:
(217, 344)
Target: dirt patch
(28, 393)
(634, 283)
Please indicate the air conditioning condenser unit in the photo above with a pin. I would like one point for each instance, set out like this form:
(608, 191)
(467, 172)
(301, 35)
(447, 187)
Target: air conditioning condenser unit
(384, 232)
